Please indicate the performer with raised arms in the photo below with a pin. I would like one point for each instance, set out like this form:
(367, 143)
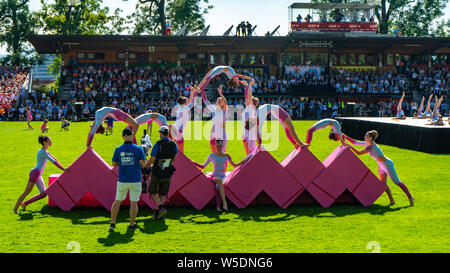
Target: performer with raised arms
(385, 165)
(219, 114)
(183, 115)
(250, 119)
(335, 133)
(117, 114)
(36, 174)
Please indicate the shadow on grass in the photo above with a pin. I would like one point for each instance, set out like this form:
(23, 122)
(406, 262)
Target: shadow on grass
(114, 238)
(26, 216)
(208, 215)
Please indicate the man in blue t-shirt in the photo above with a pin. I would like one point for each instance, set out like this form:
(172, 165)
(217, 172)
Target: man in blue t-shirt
(130, 158)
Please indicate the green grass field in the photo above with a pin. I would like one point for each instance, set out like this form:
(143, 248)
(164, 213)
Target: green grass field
(340, 228)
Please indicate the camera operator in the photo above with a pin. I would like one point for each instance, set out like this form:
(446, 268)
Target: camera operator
(162, 157)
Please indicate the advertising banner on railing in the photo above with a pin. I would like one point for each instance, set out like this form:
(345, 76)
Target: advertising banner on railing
(330, 26)
(302, 69)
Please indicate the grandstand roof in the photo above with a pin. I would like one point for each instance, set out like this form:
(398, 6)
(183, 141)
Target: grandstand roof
(328, 6)
(54, 44)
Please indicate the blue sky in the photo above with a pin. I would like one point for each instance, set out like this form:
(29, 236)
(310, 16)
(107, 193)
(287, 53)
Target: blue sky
(266, 14)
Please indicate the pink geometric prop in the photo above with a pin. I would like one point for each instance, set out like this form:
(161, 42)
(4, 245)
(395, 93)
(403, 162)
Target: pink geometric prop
(369, 190)
(346, 166)
(59, 196)
(300, 178)
(261, 173)
(88, 174)
(312, 174)
(190, 183)
(351, 172)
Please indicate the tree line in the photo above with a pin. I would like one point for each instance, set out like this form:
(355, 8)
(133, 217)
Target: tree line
(87, 17)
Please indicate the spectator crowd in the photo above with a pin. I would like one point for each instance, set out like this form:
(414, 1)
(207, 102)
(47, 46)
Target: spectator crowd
(138, 89)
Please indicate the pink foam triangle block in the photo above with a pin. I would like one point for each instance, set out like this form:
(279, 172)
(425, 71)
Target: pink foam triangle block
(52, 178)
(115, 170)
(199, 192)
(262, 172)
(328, 182)
(185, 172)
(59, 196)
(245, 183)
(303, 166)
(279, 184)
(369, 190)
(82, 171)
(90, 174)
(346, 166)
(322, 197)
(88, 200)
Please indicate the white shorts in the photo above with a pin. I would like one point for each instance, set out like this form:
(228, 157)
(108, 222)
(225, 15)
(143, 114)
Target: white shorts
(135, 189)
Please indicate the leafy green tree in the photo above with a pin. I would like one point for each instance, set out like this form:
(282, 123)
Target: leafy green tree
(83, 17)
(16, 22)
(417, 18)
(152, 16)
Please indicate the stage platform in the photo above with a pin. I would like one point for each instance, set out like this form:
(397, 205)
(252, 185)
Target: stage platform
(410, 133)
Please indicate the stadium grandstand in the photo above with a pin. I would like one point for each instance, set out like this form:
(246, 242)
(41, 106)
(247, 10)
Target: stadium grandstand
(333, 67)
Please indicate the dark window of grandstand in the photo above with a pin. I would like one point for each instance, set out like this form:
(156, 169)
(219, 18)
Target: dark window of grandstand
(242, 58)
(233, 58)
(317, 58)
(390, 59)
(343, 59)
(371, 59)
(96, 56)
(439, 60)
(273, 59)
(292, 58)
(352, 59)
(212, 59)
(223, 59)
(423, 59)
(362, 59)
(81, 55)
(334, 59)
(192, 56)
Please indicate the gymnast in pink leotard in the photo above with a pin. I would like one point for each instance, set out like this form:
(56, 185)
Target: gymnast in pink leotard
(117, 114)
(385, 165)
(35, 177)
(29, 118)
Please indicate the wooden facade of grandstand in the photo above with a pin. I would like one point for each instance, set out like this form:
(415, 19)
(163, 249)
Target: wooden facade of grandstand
(269, 54)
